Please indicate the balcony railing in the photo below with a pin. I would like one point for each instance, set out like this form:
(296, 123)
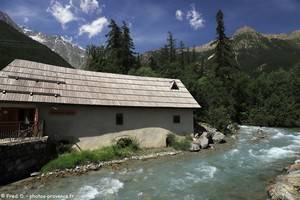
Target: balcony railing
(11, 130)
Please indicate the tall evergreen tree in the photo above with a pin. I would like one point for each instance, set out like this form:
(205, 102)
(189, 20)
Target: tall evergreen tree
(225, 59)
(171, 44)
(127, 48)
(164, 55)
(114, 47)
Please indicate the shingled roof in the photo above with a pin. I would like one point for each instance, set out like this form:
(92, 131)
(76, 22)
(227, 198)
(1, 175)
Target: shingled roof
(26, 81)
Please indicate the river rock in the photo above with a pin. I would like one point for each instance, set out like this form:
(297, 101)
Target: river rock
(233, 128)
(203, 141)
(194, 147)
(281, 191)
(212, 134)
(35, 174)
(218, 137)
(286, 186)
(294, 167)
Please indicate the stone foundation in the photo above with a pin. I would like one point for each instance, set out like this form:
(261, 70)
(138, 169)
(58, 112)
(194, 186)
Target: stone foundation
(19, 158)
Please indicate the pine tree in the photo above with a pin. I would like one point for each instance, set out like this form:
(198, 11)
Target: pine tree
(164, 55)
(171, 44)
(128, 59)
(225, 59)
(181, 49)
(114, 47)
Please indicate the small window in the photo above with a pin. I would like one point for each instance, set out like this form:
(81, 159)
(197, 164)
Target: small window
(176, 119)
(119, 119)
(174, 86)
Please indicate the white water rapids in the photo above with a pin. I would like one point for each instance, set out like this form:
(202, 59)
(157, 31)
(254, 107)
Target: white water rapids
(241, 172)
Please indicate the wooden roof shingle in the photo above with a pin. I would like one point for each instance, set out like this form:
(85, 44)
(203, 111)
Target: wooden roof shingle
(27, 81)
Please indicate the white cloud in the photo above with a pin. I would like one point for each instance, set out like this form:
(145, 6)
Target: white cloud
(195, 18)
(93, 28)
(179, 15)
(63, 14)
(89, 5)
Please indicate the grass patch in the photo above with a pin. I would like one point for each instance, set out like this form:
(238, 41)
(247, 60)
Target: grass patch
(178, 144)
(72, 159)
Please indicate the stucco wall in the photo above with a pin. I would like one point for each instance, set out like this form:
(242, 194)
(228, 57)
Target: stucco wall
(94, 126)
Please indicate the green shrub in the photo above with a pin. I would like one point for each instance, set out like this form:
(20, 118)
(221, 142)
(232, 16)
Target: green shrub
(127, 142)
(72, 159)
(183, 145)
(178, 144)
(171, 139)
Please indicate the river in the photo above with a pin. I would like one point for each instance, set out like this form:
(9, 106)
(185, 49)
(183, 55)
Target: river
(241, 172)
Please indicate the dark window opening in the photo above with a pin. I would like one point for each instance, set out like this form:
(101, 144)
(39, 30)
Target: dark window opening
(174, 86)
(119, 119)
(176, 119)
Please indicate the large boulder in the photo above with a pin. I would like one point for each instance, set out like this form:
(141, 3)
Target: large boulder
(194, 147)
(202, 141)
(218, 137)
(286, 187)
(212, 134)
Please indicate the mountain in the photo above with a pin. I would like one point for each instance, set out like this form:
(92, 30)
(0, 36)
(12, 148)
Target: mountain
(14, 44)
(63, 46)
(257, 52)
(5, 18)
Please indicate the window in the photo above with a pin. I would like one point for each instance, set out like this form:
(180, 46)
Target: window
(174, 86)
(119, 119)
(176, 119)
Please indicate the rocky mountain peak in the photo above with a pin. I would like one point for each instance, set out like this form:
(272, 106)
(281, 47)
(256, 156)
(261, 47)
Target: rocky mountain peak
(62, 45)
(245, 30)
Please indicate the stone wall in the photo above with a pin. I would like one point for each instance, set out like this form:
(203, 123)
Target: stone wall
(18, 159)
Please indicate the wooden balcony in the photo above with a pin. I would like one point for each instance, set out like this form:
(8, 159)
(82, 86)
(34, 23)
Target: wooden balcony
(13, 130)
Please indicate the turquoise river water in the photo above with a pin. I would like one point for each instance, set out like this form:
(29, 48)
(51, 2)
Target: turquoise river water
(241, 172)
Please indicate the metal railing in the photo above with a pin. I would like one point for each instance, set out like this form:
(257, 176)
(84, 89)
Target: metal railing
(11, 130)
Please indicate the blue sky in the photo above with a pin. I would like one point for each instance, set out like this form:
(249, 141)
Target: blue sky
(192, 21)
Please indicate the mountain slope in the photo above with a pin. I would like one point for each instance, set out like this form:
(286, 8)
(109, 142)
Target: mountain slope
(14, 44)
(72, 53)
(257, 52)
(5, 17)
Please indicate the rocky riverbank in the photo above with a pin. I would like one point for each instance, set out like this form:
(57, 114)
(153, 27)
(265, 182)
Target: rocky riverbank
(287, 186)
(38, 178)
(207, 137)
